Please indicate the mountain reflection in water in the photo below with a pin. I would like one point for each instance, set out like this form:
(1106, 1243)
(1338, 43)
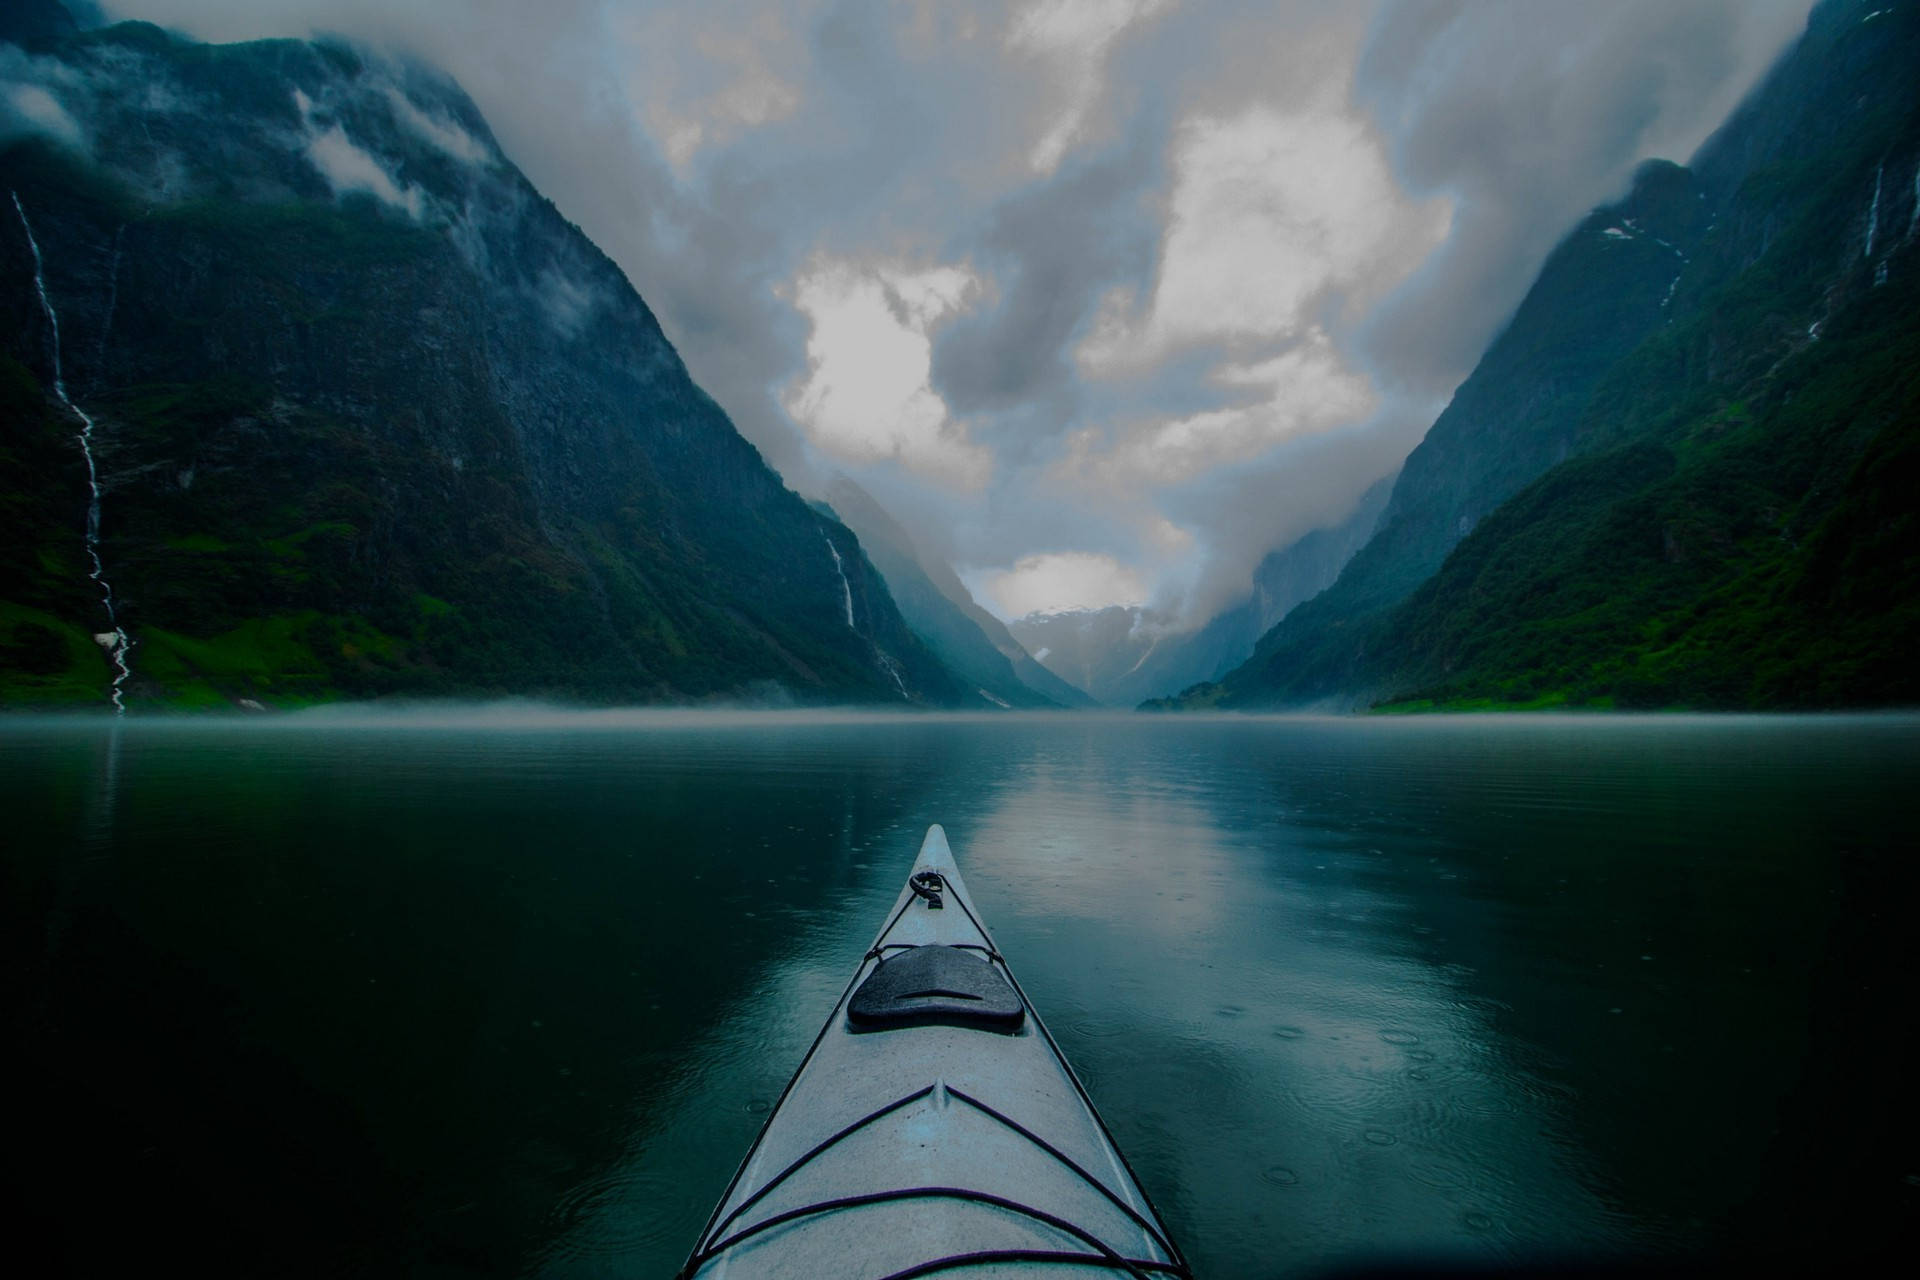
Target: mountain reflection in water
(479, 993)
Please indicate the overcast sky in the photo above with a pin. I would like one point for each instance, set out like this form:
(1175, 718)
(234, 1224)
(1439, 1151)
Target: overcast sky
(1104, 298)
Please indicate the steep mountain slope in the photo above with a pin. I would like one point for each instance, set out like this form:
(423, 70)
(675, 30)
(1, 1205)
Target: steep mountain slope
(1283, 579)
(972, 643)
(369, 415)
(1602, 290)
(1746, 532)
(1684, 553)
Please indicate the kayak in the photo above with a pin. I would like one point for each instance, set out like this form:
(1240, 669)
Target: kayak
(934, 1126)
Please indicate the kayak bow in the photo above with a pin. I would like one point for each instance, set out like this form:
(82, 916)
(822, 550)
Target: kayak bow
(934, 1126)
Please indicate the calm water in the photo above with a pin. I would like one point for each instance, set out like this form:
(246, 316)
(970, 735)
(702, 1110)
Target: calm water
(461, 996)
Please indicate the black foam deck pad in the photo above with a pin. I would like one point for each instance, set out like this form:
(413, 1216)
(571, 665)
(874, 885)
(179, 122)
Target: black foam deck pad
(935, 985)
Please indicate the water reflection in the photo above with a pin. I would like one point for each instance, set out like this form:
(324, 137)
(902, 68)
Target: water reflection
(1236, 978)
(477, 996)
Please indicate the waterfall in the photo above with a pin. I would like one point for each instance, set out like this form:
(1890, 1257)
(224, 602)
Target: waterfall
(846, 591)
(892, 668)
(1873, 210)
(114, 640)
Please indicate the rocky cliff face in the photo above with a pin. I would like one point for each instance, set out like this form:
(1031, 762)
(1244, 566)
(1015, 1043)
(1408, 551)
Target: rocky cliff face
(1694, 492)
(372, 416)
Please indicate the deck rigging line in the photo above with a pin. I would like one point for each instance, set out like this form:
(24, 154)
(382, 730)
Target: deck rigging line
(927, 887)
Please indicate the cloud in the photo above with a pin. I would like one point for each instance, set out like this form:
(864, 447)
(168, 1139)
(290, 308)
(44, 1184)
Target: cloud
(705, 75)
(866, 395)
(1051, 249)
(1055, 581)
(32, 90)
(1306, 391)
(568, 304)
(443, 133)
(29, 109)
(349, 168)
(1270, 215)
(1222, 262)
(1527, 115)
(1072, 39)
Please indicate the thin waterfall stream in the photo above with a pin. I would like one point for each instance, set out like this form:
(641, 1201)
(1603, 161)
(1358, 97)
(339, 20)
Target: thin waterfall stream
(846, 589)
(114, 640)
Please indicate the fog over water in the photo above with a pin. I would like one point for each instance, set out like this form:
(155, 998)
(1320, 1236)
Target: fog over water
(510, 989)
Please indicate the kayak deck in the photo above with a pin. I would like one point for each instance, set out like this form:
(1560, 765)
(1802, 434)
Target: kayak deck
(934, 1126)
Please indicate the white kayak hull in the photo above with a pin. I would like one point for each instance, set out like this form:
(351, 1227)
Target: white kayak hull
(934, 1128)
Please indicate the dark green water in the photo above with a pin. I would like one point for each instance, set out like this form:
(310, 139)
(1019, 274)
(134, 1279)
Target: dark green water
(494, 996)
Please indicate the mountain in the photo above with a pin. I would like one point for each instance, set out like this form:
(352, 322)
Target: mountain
(1683, 475)
(972, 643)
(1091, 649)
(368, 416)
(1283, 579)
(1125, 655)
(35, 25)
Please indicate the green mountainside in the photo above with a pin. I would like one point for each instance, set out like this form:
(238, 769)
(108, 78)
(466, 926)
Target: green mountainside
(1696, 492)
(372, 417)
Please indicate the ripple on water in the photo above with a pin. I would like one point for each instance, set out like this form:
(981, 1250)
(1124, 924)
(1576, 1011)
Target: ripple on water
(1487, 1102)
(1379, 1137)
(1289, 1033)
(1419, 1055)
(758, 1106)
(1280, 1176)
(619, 1212)
(1478, 1221)
(1395, 1036)
(1100, 1028)
(1442, 1175)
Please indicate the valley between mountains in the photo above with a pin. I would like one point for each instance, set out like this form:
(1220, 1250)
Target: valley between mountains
(308, 394)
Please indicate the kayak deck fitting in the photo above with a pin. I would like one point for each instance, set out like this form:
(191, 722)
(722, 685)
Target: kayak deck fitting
(934, 1126)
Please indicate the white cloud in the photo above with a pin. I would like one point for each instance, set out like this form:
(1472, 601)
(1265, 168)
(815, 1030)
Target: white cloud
(714, 150)
(568, 304)
(1271, 216)
(1072, 38)
(704, 76)
(444, 134)
(348, 167)
(34, 110)
(1056, 581)
(866, 396)
(1306, 391)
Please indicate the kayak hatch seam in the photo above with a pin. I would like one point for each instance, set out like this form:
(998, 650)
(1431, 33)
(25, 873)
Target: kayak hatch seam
(1112, 1256)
